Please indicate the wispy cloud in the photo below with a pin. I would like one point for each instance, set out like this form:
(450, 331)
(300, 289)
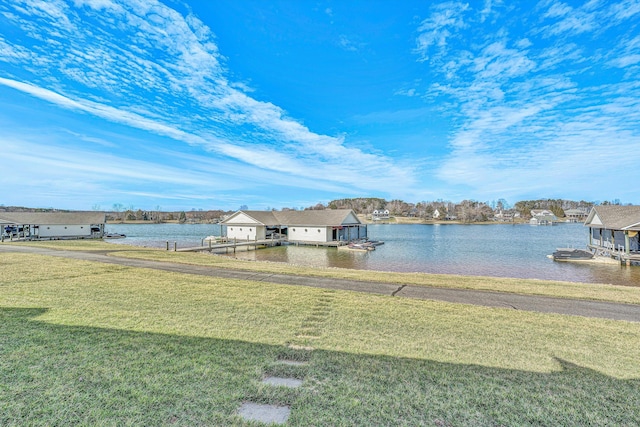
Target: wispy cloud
(529, 115)
(145, 65)
(444, 22)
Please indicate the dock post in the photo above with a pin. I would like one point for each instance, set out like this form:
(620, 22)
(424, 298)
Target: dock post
(209, 244)
(175, 246)
(167, 245)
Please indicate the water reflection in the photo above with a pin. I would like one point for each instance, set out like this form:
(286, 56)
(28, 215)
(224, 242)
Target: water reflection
(483, 250)
(494, 250)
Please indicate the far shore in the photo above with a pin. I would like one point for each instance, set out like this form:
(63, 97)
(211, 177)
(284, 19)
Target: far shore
(392, 220)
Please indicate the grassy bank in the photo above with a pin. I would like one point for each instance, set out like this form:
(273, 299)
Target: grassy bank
(96, 344)
(600, 292)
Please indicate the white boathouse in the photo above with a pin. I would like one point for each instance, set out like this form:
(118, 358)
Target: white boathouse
(326, 227)
(52, 225)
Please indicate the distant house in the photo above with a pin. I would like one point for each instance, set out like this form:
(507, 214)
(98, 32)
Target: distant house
(541, 212)
(542, 217)
(576, 215)
(614, 231)
(380, 215)
(436, 214)
(52, 225)
(310, 226)
(507, 215)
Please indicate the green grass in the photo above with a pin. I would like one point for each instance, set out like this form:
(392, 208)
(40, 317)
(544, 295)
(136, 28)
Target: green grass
(592, 291)
(94, 344)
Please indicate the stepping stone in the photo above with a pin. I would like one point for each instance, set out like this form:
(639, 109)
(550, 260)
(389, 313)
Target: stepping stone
(300, 347)
(281, 381)
(264, 413)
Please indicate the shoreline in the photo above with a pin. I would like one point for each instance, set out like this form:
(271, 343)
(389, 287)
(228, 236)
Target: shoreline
(522, 286)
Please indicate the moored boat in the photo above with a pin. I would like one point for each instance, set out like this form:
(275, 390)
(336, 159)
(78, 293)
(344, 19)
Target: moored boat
(359, 247)
(571, 254)
(114, 236)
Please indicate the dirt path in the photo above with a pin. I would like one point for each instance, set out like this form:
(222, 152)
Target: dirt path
(574, 307)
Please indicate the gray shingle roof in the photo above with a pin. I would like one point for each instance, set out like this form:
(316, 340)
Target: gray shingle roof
(327, 217)
(264, 217)
(616, 217)
(52, 218)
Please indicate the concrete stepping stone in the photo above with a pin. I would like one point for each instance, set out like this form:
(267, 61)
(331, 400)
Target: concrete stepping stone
(268, 414)
(282, 381)
(294, 346)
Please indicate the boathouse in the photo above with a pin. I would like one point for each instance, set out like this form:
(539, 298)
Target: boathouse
(542, 217)
(614, 231)
(51, 225)
(329, 226)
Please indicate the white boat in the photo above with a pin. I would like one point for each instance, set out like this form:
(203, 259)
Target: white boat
(358, 247)
(114, 236)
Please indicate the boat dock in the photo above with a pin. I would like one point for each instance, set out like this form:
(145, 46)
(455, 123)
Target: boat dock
(211, 245)
(220, 244)
(619, 254)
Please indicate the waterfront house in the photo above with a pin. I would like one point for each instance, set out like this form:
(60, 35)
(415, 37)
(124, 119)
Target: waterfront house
(542, 217)
(614, 230)
(380, 215)
(52, 225)
(576, 215)
(328, 226)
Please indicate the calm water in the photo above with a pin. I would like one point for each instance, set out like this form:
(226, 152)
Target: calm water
(484, 250)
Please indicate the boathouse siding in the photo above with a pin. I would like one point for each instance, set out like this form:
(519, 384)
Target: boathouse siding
(250, 225)
(52, 225)
(615, 231)
(321, 226)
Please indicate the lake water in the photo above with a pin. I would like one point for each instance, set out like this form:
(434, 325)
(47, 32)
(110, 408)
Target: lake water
(483, 250)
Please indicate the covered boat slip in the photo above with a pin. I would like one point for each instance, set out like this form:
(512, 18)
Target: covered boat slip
(615, 232)
(51, 225)
(319, 228)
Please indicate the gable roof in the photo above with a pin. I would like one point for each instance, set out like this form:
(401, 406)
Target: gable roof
(52, 218)
(260, 217)
(327, 217)
(614, 217)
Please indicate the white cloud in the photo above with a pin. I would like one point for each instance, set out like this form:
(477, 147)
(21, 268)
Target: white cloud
(346, 44)
(141, 64)
(534, 112)
(434, 32)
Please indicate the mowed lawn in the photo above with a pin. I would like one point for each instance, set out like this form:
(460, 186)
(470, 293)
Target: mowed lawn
(85, 343)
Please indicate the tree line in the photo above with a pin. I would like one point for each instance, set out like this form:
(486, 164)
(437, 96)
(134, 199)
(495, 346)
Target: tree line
(467, 210)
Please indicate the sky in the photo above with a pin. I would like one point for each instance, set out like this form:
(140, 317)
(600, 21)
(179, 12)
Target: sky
(182, 105)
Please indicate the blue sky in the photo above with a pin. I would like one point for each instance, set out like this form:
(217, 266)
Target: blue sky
(217, 104)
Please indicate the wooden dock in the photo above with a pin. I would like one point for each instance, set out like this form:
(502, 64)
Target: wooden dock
(617, 254)
(210, 246)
